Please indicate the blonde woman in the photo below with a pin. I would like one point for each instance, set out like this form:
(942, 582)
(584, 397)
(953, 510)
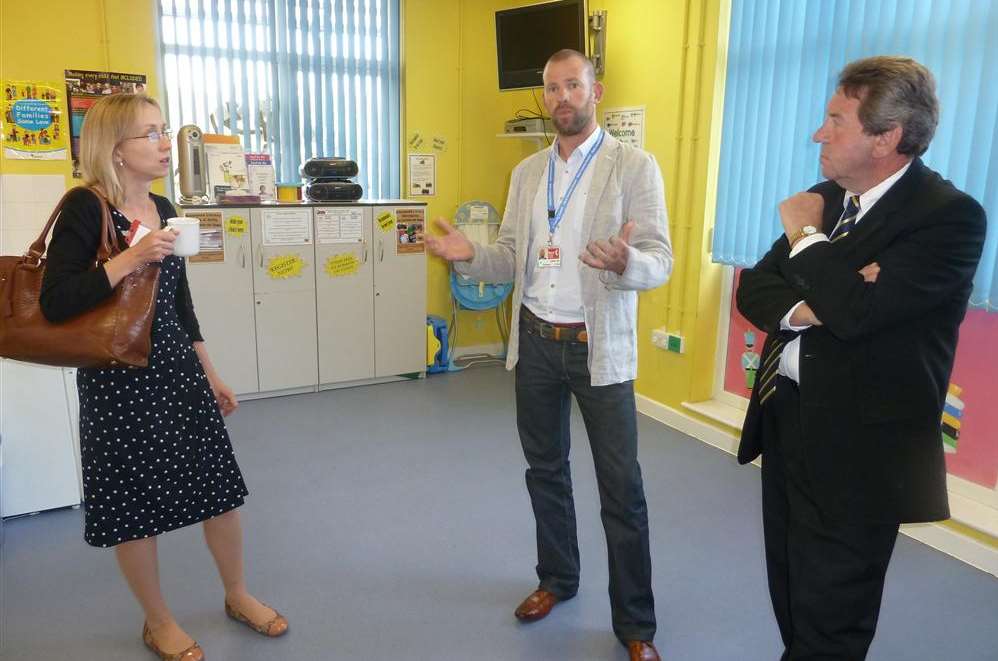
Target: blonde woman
(155, 451)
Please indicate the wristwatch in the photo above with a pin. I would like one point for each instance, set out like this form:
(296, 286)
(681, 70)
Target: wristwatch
(807, 230)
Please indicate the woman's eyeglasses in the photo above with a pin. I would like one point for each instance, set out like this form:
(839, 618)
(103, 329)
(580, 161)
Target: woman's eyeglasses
(154, 136)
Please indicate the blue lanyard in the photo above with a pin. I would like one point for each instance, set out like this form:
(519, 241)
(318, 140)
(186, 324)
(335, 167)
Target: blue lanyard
(555, 216)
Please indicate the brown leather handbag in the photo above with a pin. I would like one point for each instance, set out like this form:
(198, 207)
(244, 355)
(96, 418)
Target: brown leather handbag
(114, 333)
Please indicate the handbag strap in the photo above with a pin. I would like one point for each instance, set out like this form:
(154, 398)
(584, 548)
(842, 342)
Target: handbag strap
(108, 239)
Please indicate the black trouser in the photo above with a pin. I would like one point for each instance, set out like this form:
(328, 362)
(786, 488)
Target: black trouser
(547, 374)
(826, 577)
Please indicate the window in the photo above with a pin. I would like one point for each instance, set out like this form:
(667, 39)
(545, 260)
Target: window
(783, 59)
(296, 78)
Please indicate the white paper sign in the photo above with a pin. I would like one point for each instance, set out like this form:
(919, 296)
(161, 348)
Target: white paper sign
(626, 125)
(339, 225)
(286, 227)
(479, 214)
(422, 174)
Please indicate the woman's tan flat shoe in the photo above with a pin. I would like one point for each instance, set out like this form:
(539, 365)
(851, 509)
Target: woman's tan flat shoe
(274, 627)
(192, 653)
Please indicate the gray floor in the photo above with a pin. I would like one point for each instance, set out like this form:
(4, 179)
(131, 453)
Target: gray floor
(391, 522)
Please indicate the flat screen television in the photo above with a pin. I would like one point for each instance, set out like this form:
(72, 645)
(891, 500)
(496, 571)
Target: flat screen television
(527, 36)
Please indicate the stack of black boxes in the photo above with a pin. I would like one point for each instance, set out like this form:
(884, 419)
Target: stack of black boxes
(331, 180)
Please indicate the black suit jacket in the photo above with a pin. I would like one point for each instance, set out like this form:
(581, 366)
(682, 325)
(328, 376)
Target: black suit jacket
(873, 378)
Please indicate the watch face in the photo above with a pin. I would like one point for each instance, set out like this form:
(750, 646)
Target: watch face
(810, 229)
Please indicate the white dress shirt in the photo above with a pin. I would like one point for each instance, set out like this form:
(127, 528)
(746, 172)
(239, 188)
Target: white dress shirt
(790, 359)
(555, 294)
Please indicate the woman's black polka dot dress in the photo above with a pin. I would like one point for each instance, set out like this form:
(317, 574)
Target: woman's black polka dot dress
(156, 455)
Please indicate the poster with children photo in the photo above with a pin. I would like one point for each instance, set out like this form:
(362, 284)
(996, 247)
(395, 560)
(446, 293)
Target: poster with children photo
(83, 88)
(409, 229)
(32, 126)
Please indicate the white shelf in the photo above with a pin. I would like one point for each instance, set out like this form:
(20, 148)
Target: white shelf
(541, 138)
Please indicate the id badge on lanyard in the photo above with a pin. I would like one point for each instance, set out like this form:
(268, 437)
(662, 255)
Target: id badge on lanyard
(550, 257)
(550, 254)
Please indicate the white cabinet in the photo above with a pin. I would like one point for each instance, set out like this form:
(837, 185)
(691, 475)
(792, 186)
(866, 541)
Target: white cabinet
(310, 296)
(222, 289)
(38, 425)
(399, 294)
(284, 295)
(344, 291)
(39, 421)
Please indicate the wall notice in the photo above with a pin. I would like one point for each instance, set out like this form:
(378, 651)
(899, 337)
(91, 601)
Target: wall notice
(626, 124)
(236, 225)
(336, 225)
(386, 221)
(287, 227)
(282, 267)
(212, 239)
(343, 264)
(84, 88)
(409, 230)
(33, 126)
(422, 174)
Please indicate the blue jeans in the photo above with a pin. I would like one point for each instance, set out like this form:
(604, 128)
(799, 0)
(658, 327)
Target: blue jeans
(547, 374)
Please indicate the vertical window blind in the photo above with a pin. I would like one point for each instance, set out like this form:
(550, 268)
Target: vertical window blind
(296, 78)
(783, 60)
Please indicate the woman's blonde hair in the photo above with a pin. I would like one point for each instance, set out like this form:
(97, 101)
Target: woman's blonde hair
(106, 124)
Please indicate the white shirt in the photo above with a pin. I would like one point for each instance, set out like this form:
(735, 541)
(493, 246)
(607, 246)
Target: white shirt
(555, 293)
(790, 359)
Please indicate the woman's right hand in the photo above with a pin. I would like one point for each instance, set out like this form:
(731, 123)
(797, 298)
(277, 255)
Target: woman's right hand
(154, 246)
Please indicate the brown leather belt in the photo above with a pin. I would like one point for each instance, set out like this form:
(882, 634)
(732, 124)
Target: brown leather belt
(548, 331)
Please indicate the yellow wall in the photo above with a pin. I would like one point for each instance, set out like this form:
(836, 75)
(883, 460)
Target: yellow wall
(101, 35)
(660, 55)
(451, 90)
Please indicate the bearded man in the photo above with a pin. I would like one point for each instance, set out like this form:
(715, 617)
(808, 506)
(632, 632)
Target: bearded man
(584, 230)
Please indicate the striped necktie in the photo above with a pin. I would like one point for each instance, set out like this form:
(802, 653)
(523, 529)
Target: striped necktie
(766, 378)
(848, 219)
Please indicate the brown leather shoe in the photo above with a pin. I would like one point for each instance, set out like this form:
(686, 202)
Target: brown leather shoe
(642, 650)
(274, 627)
(536, 606)
(192, 653)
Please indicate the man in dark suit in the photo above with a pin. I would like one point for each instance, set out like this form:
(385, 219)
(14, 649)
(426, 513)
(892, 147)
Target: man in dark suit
(862, 300)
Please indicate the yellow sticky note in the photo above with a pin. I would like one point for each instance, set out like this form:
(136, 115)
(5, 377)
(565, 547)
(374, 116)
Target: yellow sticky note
(342, 264)
(235, 225)
(285, 266)
(386, 221)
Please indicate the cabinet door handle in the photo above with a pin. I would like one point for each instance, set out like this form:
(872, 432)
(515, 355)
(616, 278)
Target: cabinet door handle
(381, 246)
(242, 256)
(259, 249)
(365, 252)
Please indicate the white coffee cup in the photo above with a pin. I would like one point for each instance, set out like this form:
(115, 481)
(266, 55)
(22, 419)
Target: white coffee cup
(188, 233)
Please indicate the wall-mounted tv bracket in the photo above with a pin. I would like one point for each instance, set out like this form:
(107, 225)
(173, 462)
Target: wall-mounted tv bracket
(597, 36)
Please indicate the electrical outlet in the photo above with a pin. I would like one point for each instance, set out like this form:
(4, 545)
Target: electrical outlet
(675, 343)
(660, 338)
(667, 341)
